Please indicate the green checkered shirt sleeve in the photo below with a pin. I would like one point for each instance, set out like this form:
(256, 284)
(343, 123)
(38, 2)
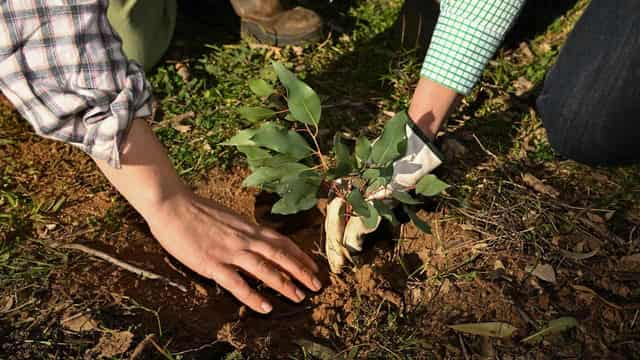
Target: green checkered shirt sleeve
(466, 36)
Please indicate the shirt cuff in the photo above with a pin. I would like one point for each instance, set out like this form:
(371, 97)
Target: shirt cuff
(67, 75)
(466, 36)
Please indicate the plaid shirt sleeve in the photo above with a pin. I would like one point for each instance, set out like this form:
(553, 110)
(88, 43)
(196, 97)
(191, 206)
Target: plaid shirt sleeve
(63, 68)
(466, 36)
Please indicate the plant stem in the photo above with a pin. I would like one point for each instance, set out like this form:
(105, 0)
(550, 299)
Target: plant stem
(315, 142)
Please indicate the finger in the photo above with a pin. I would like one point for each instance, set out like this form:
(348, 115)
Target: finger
(292, 248)
(229, 279)
(282, 257)
(267, 272)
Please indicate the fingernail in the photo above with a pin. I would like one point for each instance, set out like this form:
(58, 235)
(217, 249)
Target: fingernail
(266, 307)
(300, 294)
(317, 284)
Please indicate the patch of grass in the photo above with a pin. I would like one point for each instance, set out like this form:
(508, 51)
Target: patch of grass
(217, 86)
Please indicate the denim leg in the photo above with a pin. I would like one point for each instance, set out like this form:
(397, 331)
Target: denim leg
(590, 104)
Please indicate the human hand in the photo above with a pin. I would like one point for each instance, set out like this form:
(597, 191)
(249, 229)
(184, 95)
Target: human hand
(421, 157)
(216, 243)
(206, 237)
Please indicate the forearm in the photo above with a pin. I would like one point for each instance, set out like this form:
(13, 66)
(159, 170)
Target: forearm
(146, 177)
(431, 105)
(466, 36)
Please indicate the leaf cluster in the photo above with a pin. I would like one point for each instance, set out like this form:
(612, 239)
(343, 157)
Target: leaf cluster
(287, 160)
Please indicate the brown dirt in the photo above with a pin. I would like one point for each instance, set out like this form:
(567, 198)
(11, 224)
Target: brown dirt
(404, 289)
(464, 287)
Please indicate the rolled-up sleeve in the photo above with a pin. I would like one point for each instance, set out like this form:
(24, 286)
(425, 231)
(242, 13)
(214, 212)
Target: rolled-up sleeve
(466, 36)
(63, 68)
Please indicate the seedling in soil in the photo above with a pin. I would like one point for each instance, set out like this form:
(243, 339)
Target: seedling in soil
(285, 158)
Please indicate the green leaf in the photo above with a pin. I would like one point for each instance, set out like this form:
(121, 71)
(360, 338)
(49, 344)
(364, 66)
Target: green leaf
(371, 174)
(304, 103)
(298, 192)
(344, 161)
(419, 223)
(266, 175)
(385, 211)
(376, 185)
(405, 198)
(378, 178)
(273, 161)
(260, 87)
(255, 113)
(372, 220)
(282, 140)
(242, 138)
(254, 152)
(554, 327)
(392, 143)
(256, 156)
(363, 150)
(430, 185)
(490, 329)
(356, 200)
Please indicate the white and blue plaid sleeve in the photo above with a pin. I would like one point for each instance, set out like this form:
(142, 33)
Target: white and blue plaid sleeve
(466, 36)
(63, 68)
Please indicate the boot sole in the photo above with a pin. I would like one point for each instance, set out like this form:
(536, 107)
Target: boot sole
(250, 29)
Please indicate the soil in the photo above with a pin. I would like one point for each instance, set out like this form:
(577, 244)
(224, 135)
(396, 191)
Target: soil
(403, 290)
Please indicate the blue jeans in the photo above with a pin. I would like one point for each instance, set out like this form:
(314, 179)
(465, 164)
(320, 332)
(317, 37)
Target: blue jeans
(590, 104)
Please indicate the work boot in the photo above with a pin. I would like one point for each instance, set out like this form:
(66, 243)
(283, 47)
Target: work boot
(268, 22)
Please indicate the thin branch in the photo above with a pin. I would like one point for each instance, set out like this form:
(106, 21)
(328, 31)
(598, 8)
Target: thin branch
(318, 152)
(121, 264)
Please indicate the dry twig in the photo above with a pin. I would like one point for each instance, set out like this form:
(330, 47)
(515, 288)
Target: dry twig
(121, 264)
(142, 346)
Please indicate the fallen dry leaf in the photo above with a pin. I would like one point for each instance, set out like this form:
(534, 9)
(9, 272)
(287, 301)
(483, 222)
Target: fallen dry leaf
(577, 255)
(522, 85)
(298, 50)
(183, 70)
(6, 303)
(182, 128)
(111, 344)
(595, 218)
(544, 47)
(525, 50)
(631, 262)
(79, 322)
(631, 259)
(537, 185)
(545, 272)
(491, 329)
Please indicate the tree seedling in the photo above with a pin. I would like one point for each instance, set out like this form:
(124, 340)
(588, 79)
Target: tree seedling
(287, 160)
